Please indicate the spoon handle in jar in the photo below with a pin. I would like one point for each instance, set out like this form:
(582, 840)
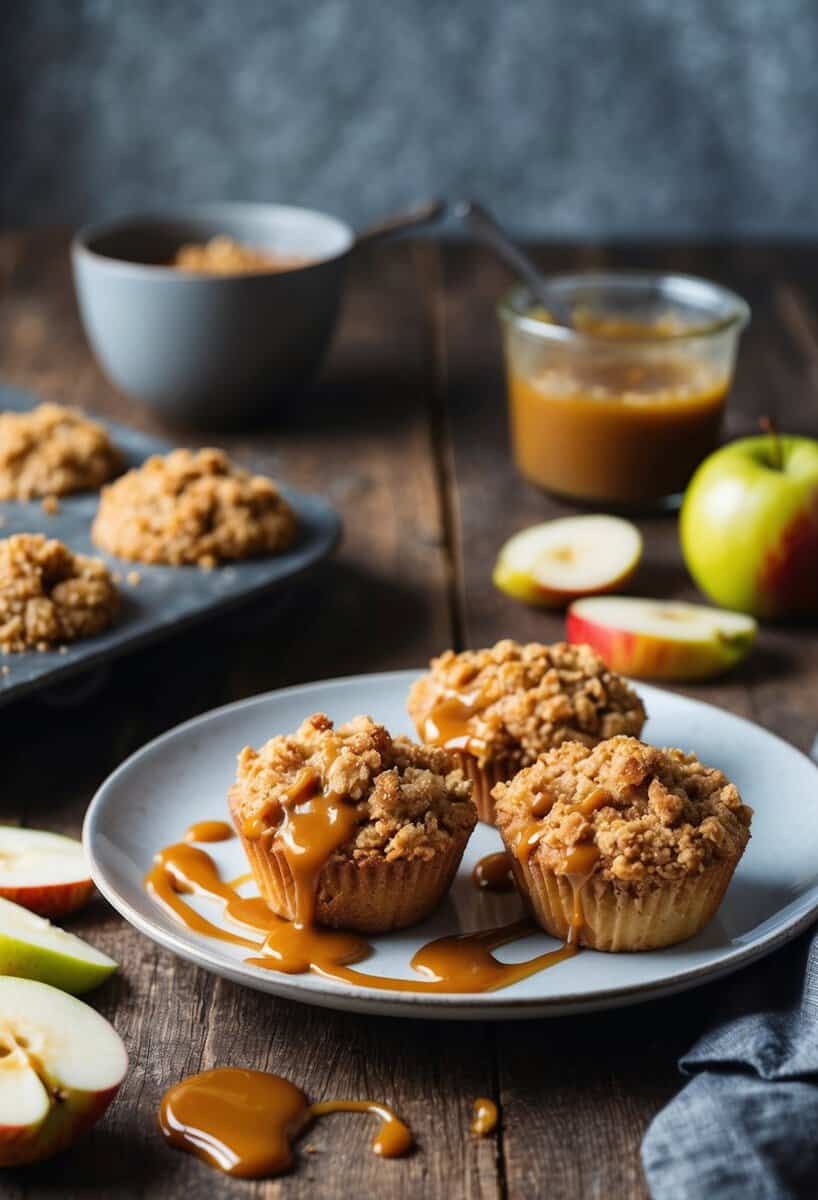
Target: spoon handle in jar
(483, 226)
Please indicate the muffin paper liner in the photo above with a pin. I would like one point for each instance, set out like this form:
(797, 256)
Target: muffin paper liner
(369, 896)
(616, 919)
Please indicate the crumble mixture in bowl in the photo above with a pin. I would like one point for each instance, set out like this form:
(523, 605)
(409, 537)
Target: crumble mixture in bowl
(53, 451)
(622, 846)
(192, 507)
(499, 708)
(49, 596)
(351, 827)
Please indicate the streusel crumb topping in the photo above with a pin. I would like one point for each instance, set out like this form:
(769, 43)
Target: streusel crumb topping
(519, 700)
(192, 507)
(410, 800)
(650, 812)
(53, 451)
(49, 596)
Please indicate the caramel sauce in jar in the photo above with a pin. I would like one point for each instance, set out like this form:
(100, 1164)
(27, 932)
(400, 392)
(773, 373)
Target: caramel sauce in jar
(244, 1122)
(623, 411)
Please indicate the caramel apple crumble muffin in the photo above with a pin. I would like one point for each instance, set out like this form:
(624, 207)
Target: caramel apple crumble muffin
(622, 846)
(49, 596)
(498, 709)
(192, 507)
(53, 451)
(349, 827)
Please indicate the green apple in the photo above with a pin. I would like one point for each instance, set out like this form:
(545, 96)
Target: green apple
(61, 1065)
(749, 526)
(661, 639)
(553, 563)
(32, 948)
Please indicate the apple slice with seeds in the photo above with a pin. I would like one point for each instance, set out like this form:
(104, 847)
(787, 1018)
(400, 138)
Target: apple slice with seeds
(659, 639)
(61, 1065)
(45, 872)
(33, 948)
(554, 563)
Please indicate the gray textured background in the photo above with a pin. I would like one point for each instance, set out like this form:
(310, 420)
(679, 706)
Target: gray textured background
(569, 116)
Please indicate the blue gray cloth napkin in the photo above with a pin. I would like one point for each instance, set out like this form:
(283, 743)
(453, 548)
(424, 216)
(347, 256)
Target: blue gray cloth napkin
(746, 1125)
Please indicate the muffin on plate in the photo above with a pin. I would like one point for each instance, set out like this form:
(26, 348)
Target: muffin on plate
(349, 827)
(49, 596)
(192, 507)
(53, 451)
(622, 846)
(498, 709)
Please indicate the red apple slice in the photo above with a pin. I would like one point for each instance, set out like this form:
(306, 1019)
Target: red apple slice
(657, 639)
(45, 872)
(554, 563)
(61, 1064)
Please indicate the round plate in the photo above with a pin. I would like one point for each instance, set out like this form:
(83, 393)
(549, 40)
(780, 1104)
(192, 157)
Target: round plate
(183, 777)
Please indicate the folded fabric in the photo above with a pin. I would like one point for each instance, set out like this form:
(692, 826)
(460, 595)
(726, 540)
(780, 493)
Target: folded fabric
(746, 1126)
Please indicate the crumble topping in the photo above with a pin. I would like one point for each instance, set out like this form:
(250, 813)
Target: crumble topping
(223, 255)
(50, 596)
(521, 700)
(650, 812)
(410, 799)
(192, 507)
(52, 451)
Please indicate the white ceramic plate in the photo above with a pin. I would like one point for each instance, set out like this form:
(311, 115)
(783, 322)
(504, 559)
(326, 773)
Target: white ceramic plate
(183, 777)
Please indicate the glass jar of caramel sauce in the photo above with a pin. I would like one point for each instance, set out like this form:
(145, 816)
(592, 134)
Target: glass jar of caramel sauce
(617, 388)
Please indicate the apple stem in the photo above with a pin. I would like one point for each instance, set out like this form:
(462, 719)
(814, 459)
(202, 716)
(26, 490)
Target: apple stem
(769, 427)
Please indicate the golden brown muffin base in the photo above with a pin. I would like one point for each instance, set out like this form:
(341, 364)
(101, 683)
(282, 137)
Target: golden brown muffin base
(373, 895)
(616, 918)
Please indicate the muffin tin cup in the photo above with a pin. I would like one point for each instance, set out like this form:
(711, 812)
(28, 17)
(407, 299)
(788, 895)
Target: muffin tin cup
(616, 919)
(368, 896)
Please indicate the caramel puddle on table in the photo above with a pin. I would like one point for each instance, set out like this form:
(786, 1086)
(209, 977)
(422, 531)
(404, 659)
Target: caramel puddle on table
(244, 1122)
(493, 873)
(460, 964)
(484, 1117)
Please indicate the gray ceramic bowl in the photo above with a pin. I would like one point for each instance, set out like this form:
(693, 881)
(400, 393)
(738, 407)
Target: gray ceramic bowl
(204, 349)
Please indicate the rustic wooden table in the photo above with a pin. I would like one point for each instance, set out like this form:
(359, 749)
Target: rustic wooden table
(406, 435)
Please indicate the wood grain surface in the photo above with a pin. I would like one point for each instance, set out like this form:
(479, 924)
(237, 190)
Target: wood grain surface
(406, 433)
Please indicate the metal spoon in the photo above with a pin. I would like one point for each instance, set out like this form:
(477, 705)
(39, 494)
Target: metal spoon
(482, 224)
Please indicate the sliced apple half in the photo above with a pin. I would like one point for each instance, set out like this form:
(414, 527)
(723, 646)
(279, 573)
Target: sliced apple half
(554, 563)
(61, 1064)
(656, 639)
(32, 948)
(45, 872)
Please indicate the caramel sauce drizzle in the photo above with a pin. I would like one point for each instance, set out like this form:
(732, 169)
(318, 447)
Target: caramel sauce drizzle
(576, 862)
(313, 825)
(446, 724)
(461, 964)
(209, 831)
(484, 1119)
(244, 1122)
(493, 873)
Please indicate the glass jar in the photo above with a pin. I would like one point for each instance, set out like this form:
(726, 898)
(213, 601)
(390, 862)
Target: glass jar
(620, 402)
